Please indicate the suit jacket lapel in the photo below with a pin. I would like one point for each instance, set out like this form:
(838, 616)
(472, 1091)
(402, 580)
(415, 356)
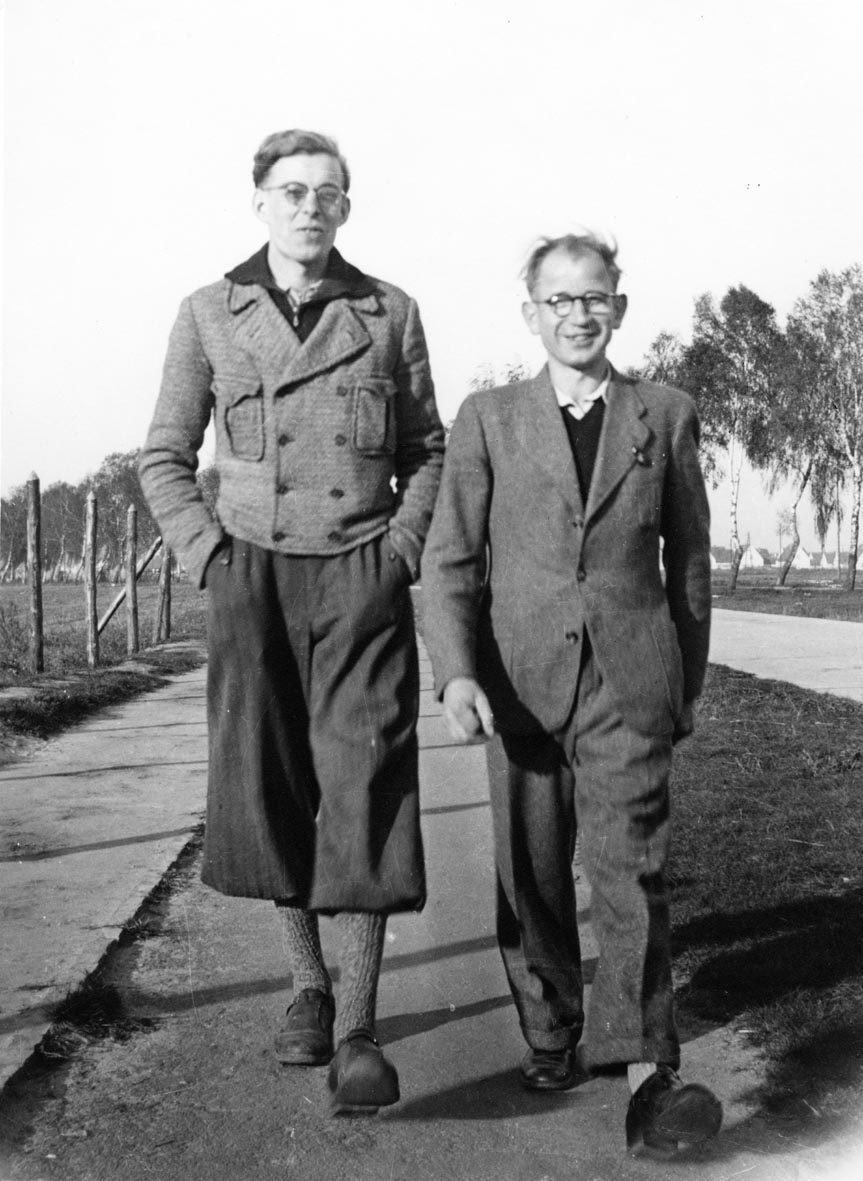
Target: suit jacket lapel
(260, 330)
(623, 439)
(544, 437)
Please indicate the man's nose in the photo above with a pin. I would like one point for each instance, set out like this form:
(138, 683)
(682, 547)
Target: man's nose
(311, 203)
(578, 311)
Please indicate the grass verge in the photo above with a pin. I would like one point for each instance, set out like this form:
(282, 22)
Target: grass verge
(767, 889)
(37, 706)
(815, 594)
(45, 709)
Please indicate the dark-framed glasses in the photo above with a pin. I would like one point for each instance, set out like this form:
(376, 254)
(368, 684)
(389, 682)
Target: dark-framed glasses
(327, 196)
(594, 303)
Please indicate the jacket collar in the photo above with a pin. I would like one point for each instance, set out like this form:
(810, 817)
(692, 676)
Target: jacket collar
(260, 330)
(340, 277)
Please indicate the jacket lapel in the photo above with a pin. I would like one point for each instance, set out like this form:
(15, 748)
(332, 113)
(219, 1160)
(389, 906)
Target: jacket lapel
(284, 360)
(622, 443)
(544, 437)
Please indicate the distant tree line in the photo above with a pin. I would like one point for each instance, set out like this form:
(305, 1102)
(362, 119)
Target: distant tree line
(789, 401)
(116, 487)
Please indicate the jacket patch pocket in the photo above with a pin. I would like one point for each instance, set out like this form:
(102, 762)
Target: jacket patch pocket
(242, 403)
(374, 416)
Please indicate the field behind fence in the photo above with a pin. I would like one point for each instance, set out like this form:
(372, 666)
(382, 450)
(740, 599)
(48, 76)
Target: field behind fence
(65, 625)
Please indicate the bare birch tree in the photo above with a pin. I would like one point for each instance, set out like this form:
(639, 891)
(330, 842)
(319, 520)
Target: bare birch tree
(828, 322)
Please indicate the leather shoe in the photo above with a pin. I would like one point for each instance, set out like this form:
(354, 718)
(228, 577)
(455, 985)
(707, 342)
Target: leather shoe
(548, 1070)
(306, 1035)
(360, 1078)
(664, 1111)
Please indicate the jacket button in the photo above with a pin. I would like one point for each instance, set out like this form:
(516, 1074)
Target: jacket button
(336, 493)
(340, 440)
(579, 522)
(571, 637)
(582, 574)
(285, 438)
(279, 536)
(334, 537)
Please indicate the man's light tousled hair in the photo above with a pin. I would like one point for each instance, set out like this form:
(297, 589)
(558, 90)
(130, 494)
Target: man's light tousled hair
(576, 245)
(296, 143)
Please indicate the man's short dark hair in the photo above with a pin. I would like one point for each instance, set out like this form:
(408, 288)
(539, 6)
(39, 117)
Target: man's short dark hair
(296, 143)
(576, 246)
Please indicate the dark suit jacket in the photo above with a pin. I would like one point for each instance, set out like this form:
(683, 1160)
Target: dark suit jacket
(516, 566)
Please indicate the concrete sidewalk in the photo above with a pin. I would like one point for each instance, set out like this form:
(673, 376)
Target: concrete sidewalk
(89, 824)
(825, 655)
(93, 819)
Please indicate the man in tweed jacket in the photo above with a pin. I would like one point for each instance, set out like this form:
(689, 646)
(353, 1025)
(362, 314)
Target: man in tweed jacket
(553, 633)
(328, 450)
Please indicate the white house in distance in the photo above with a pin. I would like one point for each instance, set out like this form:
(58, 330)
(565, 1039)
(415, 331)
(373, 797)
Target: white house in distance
(751, 559)
(802, 559)
(825, 560)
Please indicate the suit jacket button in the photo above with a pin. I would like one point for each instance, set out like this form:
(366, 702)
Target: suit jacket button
(279, 536)
(579, 522)
(582, 574)
(572, 637)
(336, 493)
(340, 440)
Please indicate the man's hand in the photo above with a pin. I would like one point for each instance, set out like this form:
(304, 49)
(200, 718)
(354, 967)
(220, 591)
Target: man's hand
(466, 711)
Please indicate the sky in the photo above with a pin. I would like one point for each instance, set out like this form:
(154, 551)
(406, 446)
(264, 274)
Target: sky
(719, 142)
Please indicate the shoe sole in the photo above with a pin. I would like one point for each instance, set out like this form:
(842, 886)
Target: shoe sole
(532, 1085)
(295, 1055)
(360, 1109)
(297, 1059)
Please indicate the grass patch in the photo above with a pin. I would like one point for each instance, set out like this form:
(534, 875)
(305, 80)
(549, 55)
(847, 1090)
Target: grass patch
(65, 632)
(767, 889)
(42, 705)
(817, 594)
(93, 1012)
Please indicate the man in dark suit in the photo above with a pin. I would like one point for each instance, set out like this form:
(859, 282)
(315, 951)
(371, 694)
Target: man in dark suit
(554, 634)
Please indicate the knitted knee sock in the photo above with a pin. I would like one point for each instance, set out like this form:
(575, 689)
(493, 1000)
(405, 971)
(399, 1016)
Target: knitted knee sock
(302, 943)
(362, 947)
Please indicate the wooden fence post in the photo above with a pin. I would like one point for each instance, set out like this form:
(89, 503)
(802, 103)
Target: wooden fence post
(131, 580)
(162, 621)
(90, 580)
(34, 573)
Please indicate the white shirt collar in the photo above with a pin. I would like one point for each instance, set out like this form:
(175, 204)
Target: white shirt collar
(579, 408)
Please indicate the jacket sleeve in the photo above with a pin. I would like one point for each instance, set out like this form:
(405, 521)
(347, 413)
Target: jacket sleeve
(169, 458)
(455, 559)
(419, 445)
(686, 551)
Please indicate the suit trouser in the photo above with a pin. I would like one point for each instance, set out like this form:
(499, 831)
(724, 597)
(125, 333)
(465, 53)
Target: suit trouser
(605, 780)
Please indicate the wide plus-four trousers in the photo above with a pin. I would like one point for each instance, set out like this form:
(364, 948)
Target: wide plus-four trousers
(606, 781)
(313, 690)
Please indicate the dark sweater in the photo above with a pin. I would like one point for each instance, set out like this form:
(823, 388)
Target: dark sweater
(584, 441)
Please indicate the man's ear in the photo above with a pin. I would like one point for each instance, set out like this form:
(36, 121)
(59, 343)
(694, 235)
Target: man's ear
(260, 206)
(621, 303)
(531, 317)
(346, 209)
